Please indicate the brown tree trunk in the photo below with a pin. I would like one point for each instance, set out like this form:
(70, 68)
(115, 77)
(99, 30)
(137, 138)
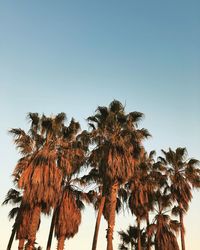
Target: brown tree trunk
(139, 235)
(111, 219)
(98, 220)
(21, 244)
(51, 230)
(33, 227)
(61, 241)
(12, 237)
(182, 231)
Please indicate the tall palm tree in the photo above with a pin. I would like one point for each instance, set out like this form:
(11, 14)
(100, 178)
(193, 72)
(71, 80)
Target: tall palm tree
(163, 228)
(68, 218)
(141, 188)
(22, 214)
(37, 173)
(116, 142)
(72, 155)
(184, 175)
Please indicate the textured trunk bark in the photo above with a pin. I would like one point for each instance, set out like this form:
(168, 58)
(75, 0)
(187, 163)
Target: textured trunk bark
(111, 219)
(51, 230)
(139, 235)
(61, 241)
(182, 231)
(12, 237)
(21, 244)
(98, 220)
(33, 227)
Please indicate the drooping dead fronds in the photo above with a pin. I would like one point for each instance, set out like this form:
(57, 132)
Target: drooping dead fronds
(68, 218)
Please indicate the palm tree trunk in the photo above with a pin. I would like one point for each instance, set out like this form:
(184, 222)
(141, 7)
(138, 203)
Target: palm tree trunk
(21, 244)
(61, 241)
(33, 227)
(12, 237)
(51, 229)
(111, 219)
(139, 235)
(182, 231)
(15, 228)
(98, 220)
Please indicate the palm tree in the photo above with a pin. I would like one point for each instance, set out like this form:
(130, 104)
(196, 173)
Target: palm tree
(184, 175)
(13, 196)
(72, 155)
(163, 228)
(140, 191)
(129, 238)
(117, 142)
(68, 218)
(22, 215)
(37, 172)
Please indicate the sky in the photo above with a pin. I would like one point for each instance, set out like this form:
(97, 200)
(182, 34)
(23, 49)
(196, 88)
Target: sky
(71, 56)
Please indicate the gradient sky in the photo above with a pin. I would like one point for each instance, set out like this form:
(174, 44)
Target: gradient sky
(72, 56)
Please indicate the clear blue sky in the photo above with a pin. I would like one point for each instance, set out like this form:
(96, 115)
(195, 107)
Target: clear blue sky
(74, 55)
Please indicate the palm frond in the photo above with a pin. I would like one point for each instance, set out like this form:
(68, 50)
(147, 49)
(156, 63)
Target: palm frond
(116, 106)
(13, 213)
(13, 196)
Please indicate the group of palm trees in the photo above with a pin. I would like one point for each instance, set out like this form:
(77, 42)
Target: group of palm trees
(58, 162)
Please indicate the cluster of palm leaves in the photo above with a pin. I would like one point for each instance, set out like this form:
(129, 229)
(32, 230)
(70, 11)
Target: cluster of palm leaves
(50, 180)
(159, 192)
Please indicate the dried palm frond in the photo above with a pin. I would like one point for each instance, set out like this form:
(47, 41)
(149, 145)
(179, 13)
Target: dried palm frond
(68, 218)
